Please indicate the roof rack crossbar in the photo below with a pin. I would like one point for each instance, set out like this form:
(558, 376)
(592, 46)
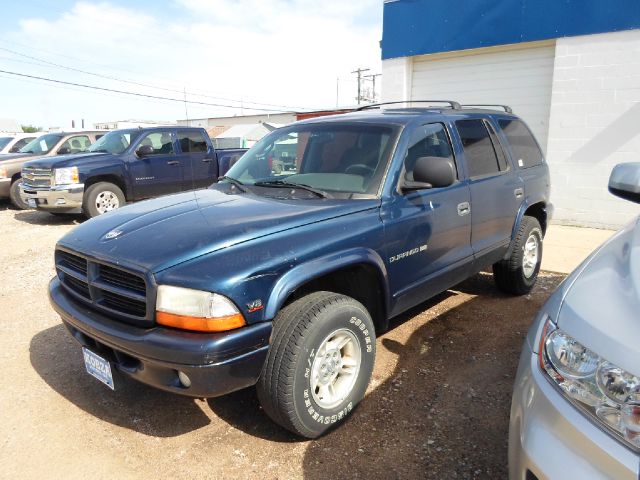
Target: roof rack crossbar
(506, 108)
(452, 104)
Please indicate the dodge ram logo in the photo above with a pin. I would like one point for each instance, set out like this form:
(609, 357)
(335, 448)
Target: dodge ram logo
(113, 234)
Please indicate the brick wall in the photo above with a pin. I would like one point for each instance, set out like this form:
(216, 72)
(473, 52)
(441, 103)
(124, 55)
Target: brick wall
(594, 124)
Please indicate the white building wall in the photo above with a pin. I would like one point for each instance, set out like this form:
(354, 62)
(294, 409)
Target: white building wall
(594, 124)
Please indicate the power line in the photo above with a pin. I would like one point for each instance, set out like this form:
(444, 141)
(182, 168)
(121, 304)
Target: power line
(156, 97)
(140, 84)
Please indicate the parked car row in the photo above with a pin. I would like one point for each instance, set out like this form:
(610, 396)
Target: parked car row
(93, 172)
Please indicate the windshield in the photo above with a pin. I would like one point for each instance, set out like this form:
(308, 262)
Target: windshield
(4, 141)
(340, 158)
(41, 145)
(115, 142)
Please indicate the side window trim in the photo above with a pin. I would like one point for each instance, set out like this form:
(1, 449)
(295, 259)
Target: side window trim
(493, 136)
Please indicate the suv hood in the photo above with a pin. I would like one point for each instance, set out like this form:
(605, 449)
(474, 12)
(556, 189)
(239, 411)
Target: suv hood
(60, 161)
(601, 309)
(156, 234)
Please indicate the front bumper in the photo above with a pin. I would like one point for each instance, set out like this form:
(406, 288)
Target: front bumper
(5, 186)
(550, 438)
(216, 363)
(61, 198)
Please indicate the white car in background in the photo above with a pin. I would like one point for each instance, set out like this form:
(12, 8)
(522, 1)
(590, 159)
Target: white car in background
(12, 142)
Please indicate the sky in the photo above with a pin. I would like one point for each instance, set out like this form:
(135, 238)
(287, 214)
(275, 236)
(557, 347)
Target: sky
(280, 55)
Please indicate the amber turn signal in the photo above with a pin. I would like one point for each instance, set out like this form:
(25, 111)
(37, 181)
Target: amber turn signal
(199, 324)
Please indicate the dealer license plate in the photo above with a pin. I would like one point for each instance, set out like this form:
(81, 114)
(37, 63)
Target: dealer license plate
(31, 202)
(98, 367)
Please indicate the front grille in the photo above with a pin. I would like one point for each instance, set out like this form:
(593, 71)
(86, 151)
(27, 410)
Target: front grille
(103, 287)
(33, 177)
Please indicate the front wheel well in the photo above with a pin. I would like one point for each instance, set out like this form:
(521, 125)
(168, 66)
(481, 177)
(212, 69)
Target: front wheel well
(114, 179)
(361, 282)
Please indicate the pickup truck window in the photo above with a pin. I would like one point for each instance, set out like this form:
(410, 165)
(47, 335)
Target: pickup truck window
(41, 145)
(341, 158)
(192, 142)
(4, 141)
(479, 150)
(525, 148)
(19, 144)
(427, 141)
(115, 142)
(161, 142)
(76, 144)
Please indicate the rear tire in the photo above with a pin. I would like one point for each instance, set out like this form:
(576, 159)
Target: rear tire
(517, 275)
(102, 197)
(14, 195)
(319, 364)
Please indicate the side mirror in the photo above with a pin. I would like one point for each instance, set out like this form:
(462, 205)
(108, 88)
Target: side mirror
(624, 181)
(431, 172)
(144, 151)
(64, 151)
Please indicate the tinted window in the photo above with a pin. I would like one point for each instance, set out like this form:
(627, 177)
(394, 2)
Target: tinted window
(192, 142)
(478, 148)
(20, 143)
(4, 141)
(497, 146)
(41, 145)
(160, 141)
(427, 141)
(525, 149)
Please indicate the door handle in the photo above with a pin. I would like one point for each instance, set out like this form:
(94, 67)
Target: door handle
(207, 160)
(173, 162)
(518, 192)
(464, 208)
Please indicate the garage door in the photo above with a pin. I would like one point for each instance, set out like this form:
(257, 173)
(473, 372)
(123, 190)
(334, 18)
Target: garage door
(519, 76)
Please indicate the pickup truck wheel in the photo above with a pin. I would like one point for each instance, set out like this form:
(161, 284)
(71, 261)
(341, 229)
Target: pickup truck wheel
(517, 275)
(14, 195)
(319, 364)
(102, 197)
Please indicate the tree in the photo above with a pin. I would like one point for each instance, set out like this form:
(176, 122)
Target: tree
(30, 128)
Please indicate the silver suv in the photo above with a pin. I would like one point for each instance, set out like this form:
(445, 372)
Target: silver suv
(576, 402)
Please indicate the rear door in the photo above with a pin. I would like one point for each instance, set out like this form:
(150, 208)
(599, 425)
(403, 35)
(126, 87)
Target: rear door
(427, 231)
(162, 171)
(496, 189)
(200, 160)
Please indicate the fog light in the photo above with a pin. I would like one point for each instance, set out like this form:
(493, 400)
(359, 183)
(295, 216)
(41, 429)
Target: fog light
(184, 379)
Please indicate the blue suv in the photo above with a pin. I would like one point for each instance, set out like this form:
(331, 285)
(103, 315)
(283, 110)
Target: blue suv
(281, 274)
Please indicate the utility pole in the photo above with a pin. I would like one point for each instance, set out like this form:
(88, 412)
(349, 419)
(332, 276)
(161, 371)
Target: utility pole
(359, 71)
(373, 79)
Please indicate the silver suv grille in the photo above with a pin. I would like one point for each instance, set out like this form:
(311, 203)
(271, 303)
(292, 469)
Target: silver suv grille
(36, 177)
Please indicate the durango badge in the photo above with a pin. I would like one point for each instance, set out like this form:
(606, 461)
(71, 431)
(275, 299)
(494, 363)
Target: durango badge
(113, 234)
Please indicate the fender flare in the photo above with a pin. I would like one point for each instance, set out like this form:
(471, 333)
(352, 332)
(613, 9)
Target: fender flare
(524, 206)
(320, 266)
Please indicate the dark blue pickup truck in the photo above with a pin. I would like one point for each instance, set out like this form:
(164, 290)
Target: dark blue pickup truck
(125, 166)
(281, 277)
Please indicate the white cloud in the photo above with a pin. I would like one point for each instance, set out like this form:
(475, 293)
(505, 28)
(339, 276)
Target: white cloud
(280, 52)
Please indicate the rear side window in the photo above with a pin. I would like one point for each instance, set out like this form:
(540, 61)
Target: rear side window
(525, 148)
(192, 142)
(478, 147)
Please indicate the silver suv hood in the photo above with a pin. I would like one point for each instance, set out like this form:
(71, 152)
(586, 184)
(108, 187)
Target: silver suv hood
(601, 309)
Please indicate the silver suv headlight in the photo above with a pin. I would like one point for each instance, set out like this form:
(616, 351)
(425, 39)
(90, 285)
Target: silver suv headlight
(604, 391)
(66, 176)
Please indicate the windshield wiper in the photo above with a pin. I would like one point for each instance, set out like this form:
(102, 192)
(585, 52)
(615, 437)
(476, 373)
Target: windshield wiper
(234, 182)
(282, 183)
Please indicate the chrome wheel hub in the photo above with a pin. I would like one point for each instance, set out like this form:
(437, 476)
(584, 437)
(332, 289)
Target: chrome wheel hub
(107, 201)
(530, 255)
(335, 368)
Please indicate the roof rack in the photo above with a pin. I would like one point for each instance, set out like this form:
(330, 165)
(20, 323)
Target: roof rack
(506, 108)
(452, 104)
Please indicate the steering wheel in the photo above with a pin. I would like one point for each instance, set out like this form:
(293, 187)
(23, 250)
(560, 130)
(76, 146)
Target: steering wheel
(360, 169)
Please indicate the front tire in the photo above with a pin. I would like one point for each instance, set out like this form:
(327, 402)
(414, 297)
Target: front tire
(319, 364)
(14, 195)
(517, 275)
(102, 197)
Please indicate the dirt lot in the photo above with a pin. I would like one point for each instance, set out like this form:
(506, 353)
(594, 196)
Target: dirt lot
(438, 405)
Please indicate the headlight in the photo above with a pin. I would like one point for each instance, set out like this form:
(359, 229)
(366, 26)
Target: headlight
(196, 310)
(606, 392)
(66, 176)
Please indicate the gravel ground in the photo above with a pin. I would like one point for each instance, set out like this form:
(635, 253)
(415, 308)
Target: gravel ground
(438, 405)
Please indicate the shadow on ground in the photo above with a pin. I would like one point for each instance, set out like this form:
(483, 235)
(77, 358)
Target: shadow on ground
(444, 410)
(36, 217)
